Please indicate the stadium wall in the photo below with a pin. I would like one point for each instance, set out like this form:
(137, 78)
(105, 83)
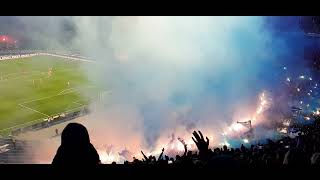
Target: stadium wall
(18, 56)
(50, 122)
(12, 57)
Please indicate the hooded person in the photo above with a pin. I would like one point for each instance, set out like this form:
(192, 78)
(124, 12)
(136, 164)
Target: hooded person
(75, 147)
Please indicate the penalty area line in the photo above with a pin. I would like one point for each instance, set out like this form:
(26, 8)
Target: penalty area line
(48, 97)
(63, 92)
(33, 110)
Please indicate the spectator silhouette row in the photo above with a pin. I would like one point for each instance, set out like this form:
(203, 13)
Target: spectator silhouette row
(303, 150)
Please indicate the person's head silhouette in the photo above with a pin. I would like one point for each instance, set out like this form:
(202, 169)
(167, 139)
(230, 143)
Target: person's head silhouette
(75, 147)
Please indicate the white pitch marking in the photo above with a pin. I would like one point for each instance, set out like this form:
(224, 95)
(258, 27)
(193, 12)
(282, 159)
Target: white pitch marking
(60, 93)
(33, 110)
(44, 98)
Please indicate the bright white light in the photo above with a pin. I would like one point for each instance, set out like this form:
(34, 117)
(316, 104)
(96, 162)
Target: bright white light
(285, 68)
(309, 94)
(3, 39)
(108, 158)
(180, 147)
(236, 127)
(301, 77)
(245, 140)
(301, 102)
(307, 118)
(225, 143)
(288, 79)
(298, 89)
(310, 78)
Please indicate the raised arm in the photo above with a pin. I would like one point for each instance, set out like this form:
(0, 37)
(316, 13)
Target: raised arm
(160, 156)
(201, 143)
(145, 157)
(184, 145)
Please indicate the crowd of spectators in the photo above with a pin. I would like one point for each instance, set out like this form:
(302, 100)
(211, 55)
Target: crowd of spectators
(302, 150)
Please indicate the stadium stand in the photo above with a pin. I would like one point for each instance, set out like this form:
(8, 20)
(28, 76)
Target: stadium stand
(18, 152)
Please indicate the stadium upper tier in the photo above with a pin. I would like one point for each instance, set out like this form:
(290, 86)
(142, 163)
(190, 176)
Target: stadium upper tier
(22, 52)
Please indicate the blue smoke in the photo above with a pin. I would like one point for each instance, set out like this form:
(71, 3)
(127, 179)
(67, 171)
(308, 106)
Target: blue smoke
(211, 64)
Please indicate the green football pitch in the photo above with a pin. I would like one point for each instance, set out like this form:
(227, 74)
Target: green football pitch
(29, 93)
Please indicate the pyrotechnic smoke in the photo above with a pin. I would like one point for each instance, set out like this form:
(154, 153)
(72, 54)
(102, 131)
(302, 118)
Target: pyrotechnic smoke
(177, 74)
(172, 75)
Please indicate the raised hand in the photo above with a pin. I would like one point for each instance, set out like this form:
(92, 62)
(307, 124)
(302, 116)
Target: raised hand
(201, 143)
(145, 157)
(185, 146)
(160, 156)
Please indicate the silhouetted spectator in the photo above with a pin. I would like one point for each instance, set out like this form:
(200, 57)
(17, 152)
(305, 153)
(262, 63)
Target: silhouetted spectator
(295, 157)
(315, 159)
(75, 147)
(13, 142)
(202, 144)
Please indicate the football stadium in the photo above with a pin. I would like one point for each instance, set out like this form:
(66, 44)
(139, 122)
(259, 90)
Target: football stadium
(43, 87)
(170, 91)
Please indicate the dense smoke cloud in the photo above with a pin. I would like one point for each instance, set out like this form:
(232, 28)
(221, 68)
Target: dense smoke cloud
(195, 72)
(171, 75)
